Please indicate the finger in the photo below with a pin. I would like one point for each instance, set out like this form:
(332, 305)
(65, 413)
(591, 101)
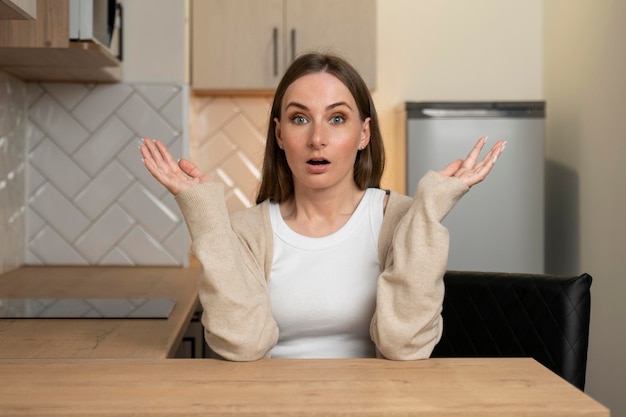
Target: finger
(190, 169)
(155, 170)
(154, 151)
(482, 169)
(472, 156)
(166, 156)
(155, 157)
(149, 161)
(495, 151)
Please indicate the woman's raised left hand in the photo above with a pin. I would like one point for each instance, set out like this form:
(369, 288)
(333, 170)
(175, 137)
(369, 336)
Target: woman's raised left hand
(470, 170)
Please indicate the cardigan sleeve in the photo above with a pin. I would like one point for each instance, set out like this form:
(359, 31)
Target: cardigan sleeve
(237, 315)
(407, 323)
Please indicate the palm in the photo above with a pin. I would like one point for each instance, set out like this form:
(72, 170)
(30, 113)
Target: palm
(175, 176)
(470, 170)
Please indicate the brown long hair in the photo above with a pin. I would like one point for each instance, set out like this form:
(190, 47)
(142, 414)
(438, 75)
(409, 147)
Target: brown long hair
(276, 176)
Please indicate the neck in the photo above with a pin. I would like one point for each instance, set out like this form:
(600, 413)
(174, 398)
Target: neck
(317, 213)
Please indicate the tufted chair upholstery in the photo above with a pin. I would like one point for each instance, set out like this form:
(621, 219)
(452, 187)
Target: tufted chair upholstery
(546, 317)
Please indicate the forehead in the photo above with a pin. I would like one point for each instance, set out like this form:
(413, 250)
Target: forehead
(320, 88)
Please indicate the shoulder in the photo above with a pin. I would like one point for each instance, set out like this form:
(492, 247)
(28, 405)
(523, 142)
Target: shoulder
(251, 220)
(397, 205)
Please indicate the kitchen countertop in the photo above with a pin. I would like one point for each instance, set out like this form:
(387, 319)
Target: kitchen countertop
(98, 338)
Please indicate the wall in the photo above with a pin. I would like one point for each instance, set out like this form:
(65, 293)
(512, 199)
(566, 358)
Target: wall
(12, 171)
(226, 140)
(90, 199)
(155, 41)
(585, 86)
(453, 50)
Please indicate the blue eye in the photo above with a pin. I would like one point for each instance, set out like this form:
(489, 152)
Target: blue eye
(337, 119)
(299, 120)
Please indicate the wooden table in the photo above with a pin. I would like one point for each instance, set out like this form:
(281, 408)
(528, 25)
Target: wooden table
(98, 338)
(284, 387)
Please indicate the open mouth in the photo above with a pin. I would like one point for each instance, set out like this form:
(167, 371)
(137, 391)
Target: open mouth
(318, 162)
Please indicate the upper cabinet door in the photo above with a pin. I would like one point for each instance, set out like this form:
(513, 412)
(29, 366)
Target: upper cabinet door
(246, 45)
(345, 27)
(236, 44)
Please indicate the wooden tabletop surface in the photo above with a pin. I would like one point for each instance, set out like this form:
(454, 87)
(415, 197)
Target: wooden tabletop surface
(289, 387)
(97, 338)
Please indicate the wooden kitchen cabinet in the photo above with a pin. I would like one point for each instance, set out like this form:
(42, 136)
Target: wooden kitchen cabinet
(41, 50)
(246, 45)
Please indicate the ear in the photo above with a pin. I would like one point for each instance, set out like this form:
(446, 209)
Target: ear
(365, 134)
(277, 133)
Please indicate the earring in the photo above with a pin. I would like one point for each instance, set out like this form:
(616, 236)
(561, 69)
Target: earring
(361, 147)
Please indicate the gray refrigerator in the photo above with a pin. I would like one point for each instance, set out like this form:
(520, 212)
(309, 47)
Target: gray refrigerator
(499, 225)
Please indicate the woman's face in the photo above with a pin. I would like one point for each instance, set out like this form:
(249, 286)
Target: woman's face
(320, 131)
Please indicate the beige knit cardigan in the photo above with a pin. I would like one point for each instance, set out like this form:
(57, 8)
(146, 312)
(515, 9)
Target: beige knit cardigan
(236, 255)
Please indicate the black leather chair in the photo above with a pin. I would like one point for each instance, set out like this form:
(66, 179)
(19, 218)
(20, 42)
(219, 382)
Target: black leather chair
(546, 317)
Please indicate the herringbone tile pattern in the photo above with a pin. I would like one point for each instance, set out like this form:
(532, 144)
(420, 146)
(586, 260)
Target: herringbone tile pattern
(89, 198)
(227, 139)
(12, 171)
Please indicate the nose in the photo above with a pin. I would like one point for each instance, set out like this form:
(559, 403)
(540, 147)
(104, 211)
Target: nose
(317, 138)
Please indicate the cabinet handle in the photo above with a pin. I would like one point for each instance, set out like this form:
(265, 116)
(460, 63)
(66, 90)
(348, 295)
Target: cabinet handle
(275, 43)
(293, 45)
(120, 40)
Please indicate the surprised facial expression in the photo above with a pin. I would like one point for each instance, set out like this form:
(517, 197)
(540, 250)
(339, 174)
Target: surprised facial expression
(320, 131)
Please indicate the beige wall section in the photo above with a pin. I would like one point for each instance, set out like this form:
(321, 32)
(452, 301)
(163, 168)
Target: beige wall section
(155, 41)
(453, 50)
(585, 87)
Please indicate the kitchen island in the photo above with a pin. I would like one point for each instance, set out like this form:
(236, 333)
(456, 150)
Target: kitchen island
(105, 338)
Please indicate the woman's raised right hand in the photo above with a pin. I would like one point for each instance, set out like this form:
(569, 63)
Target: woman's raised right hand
(175, 176)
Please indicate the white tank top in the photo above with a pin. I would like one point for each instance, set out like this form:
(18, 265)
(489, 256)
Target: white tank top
(323, 290)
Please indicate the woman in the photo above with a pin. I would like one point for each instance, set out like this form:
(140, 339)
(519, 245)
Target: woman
(326, 264)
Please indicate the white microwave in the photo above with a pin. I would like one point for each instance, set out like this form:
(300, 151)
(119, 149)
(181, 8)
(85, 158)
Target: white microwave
(98, 21)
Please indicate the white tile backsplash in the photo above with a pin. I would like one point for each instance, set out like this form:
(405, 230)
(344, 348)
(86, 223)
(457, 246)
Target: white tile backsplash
(146, 121)
(91, 200)
(57, 124)
(103, 190)
(58, 212)
(103, 145)
(13, 99)
(150, 212)
(104, 233)
(58, 168)
(48, 248)
(157, 95)
(102, 101)
(68, 95)
(143, 249)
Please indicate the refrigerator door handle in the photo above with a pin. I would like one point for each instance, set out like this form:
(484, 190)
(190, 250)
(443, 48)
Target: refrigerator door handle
(474, 112)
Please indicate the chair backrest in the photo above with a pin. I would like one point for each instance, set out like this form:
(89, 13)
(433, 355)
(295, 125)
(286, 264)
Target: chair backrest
(546, 317)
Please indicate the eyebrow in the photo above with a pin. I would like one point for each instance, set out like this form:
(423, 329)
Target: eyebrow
(329, 107)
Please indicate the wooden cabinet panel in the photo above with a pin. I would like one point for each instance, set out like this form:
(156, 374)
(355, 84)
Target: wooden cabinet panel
(40, 49)
(49, 30)
(236, 44)
(345, 27)
(246, 45)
